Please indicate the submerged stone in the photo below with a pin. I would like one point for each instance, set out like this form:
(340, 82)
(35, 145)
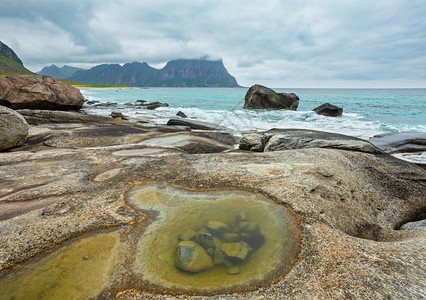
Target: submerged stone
(249, 226)
(187, 235)
(236, 251)
(205, 240)
(233, 270)
(241, 217)
(230, 237)
(217, 227)
(191, 257)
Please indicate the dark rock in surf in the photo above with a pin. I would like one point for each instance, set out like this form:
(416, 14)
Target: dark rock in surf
(329, 110)
(181, 114)
(261, 97)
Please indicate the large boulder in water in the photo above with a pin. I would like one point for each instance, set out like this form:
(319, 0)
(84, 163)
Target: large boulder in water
(13, 128)
(261, 97)
(329, 110)
(38, 92)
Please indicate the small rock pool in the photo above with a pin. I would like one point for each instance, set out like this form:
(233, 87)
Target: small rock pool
(204, 243)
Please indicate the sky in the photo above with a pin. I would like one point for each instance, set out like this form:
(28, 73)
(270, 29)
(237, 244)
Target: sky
(293, 43)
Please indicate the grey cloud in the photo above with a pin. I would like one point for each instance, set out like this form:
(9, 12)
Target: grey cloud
(280, 40)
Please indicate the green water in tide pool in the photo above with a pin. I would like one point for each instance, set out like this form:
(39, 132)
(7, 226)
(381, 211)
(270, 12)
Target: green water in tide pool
(77, 271)
(169, 253)
(204, 243)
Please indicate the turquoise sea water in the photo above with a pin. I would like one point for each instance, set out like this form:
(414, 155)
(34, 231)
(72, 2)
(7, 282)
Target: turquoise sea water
(366, 112)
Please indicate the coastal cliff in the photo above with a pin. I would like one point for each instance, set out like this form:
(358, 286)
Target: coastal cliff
(10, 63)
(176, 73)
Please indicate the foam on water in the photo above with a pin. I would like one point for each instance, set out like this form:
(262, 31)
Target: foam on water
(366, 112)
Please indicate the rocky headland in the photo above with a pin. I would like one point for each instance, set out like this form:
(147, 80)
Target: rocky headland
(73, 179)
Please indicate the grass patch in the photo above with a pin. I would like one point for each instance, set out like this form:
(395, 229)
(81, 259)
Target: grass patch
(77, 84)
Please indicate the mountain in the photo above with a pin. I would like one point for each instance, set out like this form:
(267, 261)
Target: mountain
(10, 64)
(59, 73)
(176, 73)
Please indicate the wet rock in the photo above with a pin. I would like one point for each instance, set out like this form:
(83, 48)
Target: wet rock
(230, 237)
(329, 110)
(261, 97)
(191, 257)
(204, 239)
(187, 235)
(154, 105)
(217, 227)
(401, 142)
(106, 104)
(117, 114)
(236, 252)
(141, 101)
(193, 124)
(417, 225)
(13, 129)
(38, 92)
(92, 102)
(233, 270)
(181, 114)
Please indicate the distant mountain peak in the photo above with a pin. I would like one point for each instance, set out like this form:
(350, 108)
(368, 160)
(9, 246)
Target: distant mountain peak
(59, 73)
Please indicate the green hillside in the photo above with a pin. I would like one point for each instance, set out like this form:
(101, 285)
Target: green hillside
(10, 64)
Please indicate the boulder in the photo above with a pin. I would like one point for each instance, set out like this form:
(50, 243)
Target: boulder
(288, 139)
(13, 129)
(261, 97)
(181, 114)
(401, 142)
(329, 110)
(38, 92)
(191, 257)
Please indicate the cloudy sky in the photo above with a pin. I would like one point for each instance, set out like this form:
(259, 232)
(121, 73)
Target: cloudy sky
(293, 43)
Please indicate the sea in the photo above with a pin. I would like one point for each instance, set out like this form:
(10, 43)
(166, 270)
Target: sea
(366, 112)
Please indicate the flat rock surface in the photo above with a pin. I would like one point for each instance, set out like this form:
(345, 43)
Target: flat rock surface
(349, 204)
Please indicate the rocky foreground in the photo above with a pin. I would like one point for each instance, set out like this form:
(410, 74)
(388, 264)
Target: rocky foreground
(69, 179)
(70, 176)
